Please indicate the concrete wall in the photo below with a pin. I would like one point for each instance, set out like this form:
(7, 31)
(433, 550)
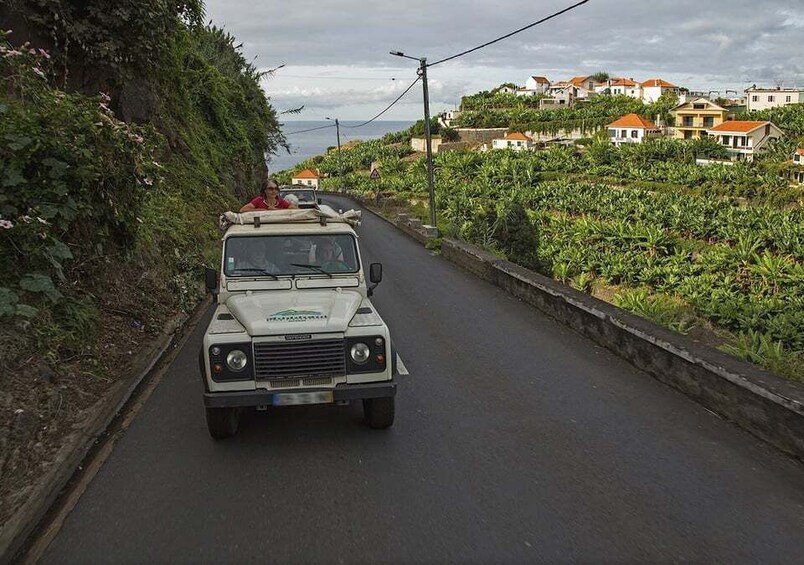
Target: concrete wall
(485, 135)
(420, 144)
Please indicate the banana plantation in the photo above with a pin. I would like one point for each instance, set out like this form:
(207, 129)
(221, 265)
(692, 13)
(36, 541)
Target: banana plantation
(685, 254)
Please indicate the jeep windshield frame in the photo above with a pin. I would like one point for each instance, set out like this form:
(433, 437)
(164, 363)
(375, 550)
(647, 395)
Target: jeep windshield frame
(292, 255)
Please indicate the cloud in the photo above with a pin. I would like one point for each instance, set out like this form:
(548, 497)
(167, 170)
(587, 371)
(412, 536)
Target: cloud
(732, 43)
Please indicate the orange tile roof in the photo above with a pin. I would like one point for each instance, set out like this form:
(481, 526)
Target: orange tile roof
(516, 136)
(632, 121)
(541, 80)
(306, 174)
(578, 81)
(800, 151)
(623, 82)
(653, 82)
(737, 126)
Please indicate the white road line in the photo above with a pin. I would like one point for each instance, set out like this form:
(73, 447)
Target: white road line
(400, 366)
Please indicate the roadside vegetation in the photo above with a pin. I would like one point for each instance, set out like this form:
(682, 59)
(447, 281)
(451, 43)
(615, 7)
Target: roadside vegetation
(123, 134)
(716, 252)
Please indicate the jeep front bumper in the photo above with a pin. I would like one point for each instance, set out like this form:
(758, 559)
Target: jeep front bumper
(340, 393)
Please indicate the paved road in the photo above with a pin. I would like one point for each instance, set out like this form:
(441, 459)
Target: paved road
(516, 440)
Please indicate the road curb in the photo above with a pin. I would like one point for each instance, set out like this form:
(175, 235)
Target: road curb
(22, 524)
(768, 406)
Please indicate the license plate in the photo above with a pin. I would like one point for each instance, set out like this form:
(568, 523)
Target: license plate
(292, 398)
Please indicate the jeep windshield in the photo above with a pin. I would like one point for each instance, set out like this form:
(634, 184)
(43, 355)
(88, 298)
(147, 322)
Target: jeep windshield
(284, 255)
(307, 197)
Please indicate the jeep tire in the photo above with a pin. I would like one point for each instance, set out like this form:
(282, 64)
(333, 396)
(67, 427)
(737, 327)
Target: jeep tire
(222, 423)
(379, 412)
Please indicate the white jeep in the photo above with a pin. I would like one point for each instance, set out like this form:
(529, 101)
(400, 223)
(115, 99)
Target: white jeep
(294, 323)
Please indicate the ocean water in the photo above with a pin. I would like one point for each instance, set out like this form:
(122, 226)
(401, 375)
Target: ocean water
(312, 143)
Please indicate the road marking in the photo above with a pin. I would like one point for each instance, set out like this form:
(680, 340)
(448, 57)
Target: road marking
(400, 366)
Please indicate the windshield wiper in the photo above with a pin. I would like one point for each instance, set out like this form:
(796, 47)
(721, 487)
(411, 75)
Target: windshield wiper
(316, 268)
(260, 271)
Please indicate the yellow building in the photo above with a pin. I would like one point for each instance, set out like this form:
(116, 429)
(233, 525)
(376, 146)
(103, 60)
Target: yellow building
(693, 118)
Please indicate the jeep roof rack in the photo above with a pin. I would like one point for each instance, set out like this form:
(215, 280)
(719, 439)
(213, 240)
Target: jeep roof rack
(321, 215)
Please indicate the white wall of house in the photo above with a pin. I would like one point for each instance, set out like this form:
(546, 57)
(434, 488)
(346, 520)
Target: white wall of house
(515, 144)
(306, 182)
(764, 98)
(540, 88)
(653, 93)
(620, 135)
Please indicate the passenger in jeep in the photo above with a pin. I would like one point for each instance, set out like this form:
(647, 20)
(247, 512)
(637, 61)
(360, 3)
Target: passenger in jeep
(268, 200)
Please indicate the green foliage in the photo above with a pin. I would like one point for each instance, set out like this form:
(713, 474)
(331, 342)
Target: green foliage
(86, 195)
(417, 129)
(600, 76)
(129, 36)
(449, 134)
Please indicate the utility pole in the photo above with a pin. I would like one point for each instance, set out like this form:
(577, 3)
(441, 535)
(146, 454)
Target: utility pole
(428, 137)
(340, 160)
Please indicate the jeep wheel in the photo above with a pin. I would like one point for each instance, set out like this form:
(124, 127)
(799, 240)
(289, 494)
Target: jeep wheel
(379, 412)
(222, 422)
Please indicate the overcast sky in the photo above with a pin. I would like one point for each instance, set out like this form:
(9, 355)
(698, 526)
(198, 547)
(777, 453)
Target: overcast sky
(337, 62)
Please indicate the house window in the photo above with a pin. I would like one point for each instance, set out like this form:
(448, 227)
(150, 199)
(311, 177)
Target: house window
(770, 98)
(755, 98)
(743, 141)
(698, 106)
(634, 133)
(788, 98)
(726, 139)
(709, 121)
(688, 121)
(687, 134)
(623, 133)
(612, 133)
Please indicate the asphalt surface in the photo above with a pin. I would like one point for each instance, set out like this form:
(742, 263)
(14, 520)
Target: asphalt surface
(516, 440)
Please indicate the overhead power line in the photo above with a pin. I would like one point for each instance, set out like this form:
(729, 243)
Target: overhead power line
(311, 129)
(550, 17)
(387, 108)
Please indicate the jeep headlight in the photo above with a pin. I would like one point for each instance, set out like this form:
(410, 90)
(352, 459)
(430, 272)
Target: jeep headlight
(236, 360)
(360, 353)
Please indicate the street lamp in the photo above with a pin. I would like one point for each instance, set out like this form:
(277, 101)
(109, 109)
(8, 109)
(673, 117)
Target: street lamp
(428, 138)
(338, 133)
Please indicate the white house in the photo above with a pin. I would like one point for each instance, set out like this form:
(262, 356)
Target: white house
(537, 84)
(585, 86)
(625, 87)
(798, 159)
(505, 89)
(561, 95)
(307, 177)
(652, 89)
(743, 139)
(514, 140)
(632, 128)
(764, 98)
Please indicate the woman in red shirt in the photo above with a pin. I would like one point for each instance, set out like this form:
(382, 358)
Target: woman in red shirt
(268, 200)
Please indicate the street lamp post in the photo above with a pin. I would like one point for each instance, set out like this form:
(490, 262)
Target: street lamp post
(338, 134)
(428, 137)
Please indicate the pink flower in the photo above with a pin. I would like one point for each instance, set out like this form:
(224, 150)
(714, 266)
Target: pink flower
(105, 107)
(6, 225)
(148, 180)
(27, 219)
(42, 220)
(32, 51)
(39, 72)
(44, 53)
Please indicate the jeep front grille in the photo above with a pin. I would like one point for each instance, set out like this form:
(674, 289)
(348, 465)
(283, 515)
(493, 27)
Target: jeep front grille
(281, 360)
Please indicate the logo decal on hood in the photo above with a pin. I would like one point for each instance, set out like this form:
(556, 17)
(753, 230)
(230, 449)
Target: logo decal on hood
(296, 316)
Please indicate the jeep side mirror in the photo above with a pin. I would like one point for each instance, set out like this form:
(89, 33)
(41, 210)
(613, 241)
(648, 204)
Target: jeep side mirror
(375, 273)
(375, 276)
(211, 279)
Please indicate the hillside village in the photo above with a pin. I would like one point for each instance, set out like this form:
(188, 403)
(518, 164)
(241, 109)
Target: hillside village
(690, 115)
